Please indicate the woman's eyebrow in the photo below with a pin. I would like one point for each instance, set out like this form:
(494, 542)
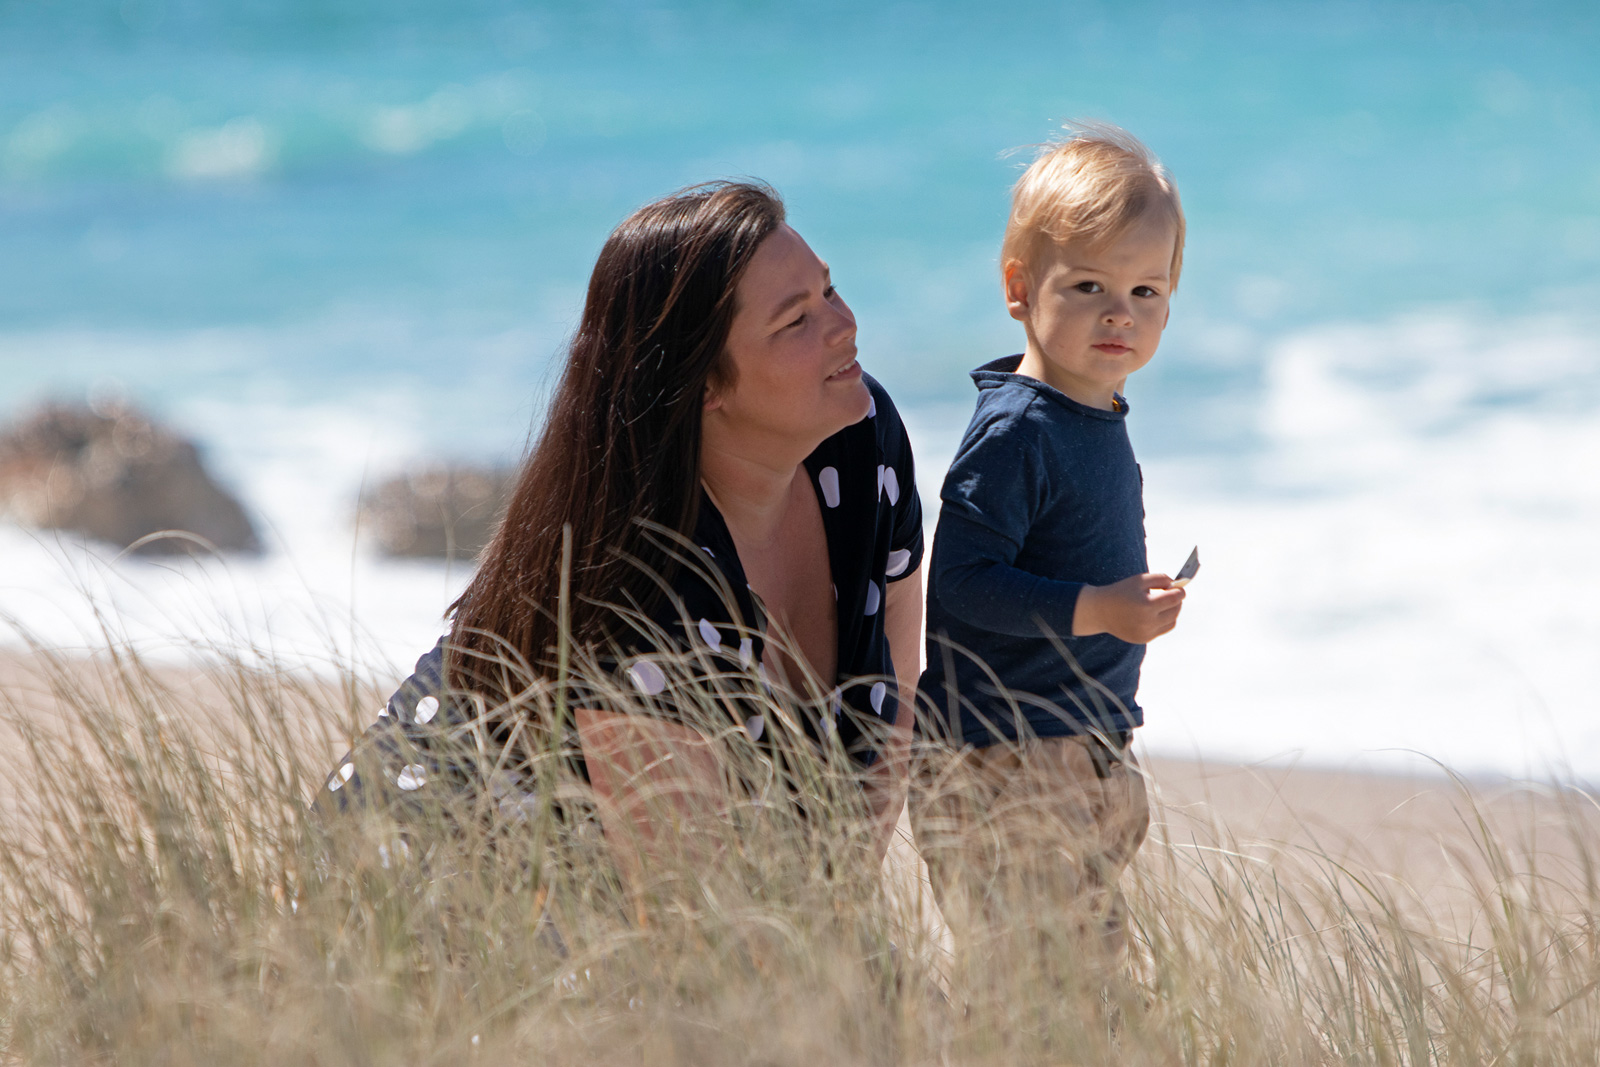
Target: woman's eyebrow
(795, 299)
(789, 302)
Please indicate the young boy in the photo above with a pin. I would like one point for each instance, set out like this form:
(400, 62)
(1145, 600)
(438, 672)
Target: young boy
(1040, 603)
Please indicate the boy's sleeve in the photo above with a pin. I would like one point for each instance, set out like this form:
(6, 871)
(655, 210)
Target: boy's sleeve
(996, 488)
(897, 486)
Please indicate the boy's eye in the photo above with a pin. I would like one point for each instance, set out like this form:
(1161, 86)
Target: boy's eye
(1143, 290)
(1087, 287)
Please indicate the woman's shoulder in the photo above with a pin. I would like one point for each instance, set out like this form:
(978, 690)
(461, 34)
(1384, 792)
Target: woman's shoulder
(417, 698)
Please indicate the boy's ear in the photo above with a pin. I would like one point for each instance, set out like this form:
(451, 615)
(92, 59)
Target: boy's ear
(1015, 281)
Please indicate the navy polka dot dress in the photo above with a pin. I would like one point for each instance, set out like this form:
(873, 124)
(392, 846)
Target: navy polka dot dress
(865, 482)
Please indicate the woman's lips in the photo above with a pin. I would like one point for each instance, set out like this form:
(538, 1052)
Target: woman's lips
(847, 372)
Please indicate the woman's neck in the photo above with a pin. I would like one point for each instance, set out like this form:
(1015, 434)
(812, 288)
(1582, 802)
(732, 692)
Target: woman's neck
(751, 491)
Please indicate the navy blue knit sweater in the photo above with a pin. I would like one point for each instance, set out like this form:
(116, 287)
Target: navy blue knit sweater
(1044, 497)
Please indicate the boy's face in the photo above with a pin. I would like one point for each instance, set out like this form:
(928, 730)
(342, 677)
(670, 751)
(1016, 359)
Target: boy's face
(1095, 315)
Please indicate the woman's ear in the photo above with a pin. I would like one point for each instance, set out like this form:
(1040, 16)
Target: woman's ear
(719, 384)
(1015, 281)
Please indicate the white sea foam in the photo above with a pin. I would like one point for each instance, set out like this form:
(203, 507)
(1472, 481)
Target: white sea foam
(318, 595)
(288, 421)
(240, 147)
(285, 610)
(1409, 564)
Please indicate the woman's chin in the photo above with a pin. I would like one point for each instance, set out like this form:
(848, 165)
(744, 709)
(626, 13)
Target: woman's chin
(854, 399)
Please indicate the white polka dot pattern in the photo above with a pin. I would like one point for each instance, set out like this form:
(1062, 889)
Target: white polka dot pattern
(427, 708)
(412, 776)
(879, 690)
(646, 677)
(889, 484)
(828, 479)
(710, 634)
(747, 652)
(755, 726)
(830, 718)
(899, 559)
(344, 775)
(874, 598)
(401, 851)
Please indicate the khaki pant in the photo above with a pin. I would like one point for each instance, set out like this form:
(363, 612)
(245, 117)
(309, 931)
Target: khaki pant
(1034, 833)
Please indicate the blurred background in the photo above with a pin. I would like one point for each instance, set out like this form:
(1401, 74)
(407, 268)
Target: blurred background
(333, 241)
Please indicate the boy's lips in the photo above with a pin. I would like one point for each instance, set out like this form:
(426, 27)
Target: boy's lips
(1112, 348)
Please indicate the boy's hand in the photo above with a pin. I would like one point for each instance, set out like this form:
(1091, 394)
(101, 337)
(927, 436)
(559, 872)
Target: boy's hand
(1138, 610)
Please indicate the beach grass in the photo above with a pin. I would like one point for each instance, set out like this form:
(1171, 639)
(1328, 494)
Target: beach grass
(167, 896)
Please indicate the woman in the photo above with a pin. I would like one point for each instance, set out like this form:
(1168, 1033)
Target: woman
(715, 472)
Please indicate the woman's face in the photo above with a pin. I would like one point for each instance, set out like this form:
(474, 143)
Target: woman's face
(792, 346)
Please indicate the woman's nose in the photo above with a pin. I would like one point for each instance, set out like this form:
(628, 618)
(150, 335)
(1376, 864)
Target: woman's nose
(844, 326)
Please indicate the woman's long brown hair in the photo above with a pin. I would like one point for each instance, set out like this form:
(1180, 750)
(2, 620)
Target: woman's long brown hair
(620, 447)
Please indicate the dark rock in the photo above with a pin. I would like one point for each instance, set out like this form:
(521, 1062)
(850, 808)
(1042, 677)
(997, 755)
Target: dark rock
(113, 475)
(447, 512)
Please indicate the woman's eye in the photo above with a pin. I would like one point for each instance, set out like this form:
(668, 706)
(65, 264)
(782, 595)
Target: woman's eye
(830, 292)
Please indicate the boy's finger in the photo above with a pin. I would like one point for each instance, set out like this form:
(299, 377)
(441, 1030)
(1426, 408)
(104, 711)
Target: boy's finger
(1157, 581)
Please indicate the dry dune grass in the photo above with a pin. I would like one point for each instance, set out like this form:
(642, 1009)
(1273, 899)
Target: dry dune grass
(166, 898)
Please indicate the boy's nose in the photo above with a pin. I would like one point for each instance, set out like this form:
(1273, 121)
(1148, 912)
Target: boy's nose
(1118, 314)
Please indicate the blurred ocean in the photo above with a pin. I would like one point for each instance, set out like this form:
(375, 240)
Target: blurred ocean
(331, 237)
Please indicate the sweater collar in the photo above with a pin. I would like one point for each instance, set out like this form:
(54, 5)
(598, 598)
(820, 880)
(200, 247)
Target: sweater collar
(1003, 371)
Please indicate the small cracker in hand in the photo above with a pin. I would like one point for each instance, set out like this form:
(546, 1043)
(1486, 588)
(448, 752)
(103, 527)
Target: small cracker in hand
(1190, 568)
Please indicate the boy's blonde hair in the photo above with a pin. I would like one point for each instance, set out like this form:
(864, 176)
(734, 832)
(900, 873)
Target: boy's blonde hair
(1091, 187)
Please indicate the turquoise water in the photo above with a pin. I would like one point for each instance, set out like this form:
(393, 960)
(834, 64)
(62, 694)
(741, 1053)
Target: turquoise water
(176, 166)
(328, 237)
